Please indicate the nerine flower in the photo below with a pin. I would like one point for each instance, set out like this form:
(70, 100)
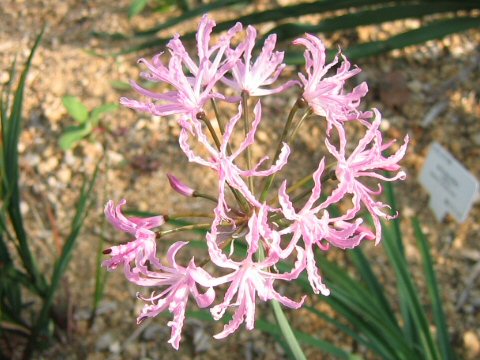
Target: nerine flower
(318, 231)
(250, 278)
(363, 162)
(252, 77)
(191, 91)
(223, 162)
(326, 94)
(177, 283)
(140, 250)
(211, 58)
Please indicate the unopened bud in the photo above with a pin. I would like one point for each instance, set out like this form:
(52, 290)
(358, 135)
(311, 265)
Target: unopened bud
(179, 187)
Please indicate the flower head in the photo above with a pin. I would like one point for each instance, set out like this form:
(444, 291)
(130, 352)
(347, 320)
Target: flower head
(140, 250)
(251, 76)
(177, 284)
(223, 162)
(363, 162)
(191, 91)
(250, 278)
(326, 94)
(320, 231)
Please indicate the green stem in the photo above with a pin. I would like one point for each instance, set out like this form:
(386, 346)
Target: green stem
(246, 123)
(282, 321)
(288, 124)
(241, 201)
(221, 126)
(300, 122)
(184, 228)
(205, 196)
(212, 131)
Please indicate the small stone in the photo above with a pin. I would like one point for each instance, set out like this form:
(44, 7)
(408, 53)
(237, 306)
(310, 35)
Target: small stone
(104, 342)
(472, 343)
(47, 166)
(64, 175)
(115, 347)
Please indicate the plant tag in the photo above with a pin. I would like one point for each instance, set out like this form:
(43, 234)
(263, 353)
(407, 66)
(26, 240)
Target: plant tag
(452, 188)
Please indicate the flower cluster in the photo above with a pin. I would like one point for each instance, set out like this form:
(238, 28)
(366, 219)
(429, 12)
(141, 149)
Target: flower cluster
(272, 226)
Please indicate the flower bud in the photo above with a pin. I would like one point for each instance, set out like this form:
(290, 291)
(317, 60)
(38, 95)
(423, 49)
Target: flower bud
(179, 187)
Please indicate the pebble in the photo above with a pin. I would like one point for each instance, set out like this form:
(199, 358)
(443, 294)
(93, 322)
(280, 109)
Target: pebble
(472, 343)
(48, 165)
(104, 342)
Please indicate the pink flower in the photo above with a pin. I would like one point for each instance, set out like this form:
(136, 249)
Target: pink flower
(326, 95)
(249, 277)
(223, 163)
(179, 187)
(191, 93)
(178, 283)
(210, 58)
(363, 162)
(318, 231)
(266, 69)
(140, 250)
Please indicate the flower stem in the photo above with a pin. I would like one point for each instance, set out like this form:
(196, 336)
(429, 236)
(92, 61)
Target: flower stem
(221, 126)
(184, 228)
(300, 122)
(288, 124)
(205, 196)
(246, 123)
(212, 131)
(242, 202)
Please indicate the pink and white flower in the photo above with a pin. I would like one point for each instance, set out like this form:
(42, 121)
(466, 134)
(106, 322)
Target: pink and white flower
(223, 162)
(250, 278)
(363, 162)
(252, 77)
(320, 231)
(326, 94)
(191, 92)
(177, 283)
(140, 250)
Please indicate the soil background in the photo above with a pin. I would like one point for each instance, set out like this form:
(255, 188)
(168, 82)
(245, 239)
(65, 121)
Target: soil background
(430, 92)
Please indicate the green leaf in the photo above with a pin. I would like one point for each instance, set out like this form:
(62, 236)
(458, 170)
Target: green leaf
(72, 135)
(369, 17)
(443, 339)
(82, 206)
(190, 15)
(434, 30)
(287, 332)
(136, 7)
(75, 108)
(409, 294)
(99, 111)
(11, 172)
(274, 330)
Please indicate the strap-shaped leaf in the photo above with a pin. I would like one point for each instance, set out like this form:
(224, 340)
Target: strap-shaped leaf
(434, 30)
(370, 17)
(443, 338)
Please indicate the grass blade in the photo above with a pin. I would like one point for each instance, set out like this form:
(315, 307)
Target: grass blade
(443, 338)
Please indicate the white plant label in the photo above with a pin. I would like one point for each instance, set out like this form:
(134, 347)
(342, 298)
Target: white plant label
(452, 188)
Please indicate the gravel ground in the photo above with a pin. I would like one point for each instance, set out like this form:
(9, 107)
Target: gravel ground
(429, 91)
